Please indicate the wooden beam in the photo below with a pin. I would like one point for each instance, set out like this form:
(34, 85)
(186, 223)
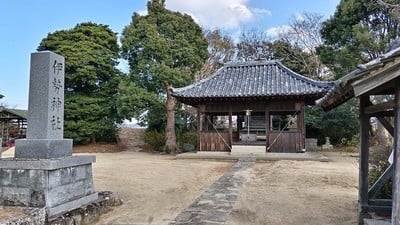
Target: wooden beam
(387, 125)
(396, 160)
(363, 164)
(380, 107)
(389, 113)
(382, 180)
(380, 205)
(372, 81)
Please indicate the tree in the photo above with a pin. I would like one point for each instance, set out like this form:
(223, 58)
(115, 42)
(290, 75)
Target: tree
(302, 40)
(253, 45)
(164, 49)
(221, 49)
(91, 80)
(360, 30)
(339, 124)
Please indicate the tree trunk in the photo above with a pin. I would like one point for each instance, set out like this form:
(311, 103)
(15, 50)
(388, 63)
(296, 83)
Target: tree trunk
(170, 128)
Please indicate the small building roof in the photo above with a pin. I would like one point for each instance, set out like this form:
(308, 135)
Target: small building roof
(252, 80)
(344, 88)
(21, 113)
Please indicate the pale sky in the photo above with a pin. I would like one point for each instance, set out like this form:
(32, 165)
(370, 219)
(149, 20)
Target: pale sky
(24, 23)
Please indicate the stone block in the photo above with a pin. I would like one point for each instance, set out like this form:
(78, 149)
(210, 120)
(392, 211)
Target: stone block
(7, 177)
(38, 198)
(51, 211)
(311, 144)
(248, 137)
(43, 148)
(46, 96)
(15, 196)
(46, 164)
(65, 193)
(38, 179)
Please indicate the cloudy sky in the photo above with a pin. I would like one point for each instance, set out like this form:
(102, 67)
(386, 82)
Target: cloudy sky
(24, 23)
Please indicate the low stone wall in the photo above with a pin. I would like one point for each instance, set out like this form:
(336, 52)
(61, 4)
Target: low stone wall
(132, 139)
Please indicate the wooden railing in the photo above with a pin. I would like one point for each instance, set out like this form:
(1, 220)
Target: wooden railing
(213, 141)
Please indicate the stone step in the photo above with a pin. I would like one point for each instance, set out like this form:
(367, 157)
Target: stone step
(248, 149)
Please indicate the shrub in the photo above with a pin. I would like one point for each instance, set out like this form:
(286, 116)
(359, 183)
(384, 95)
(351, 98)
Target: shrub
(155, 140)
(188, 137)
(378, 164)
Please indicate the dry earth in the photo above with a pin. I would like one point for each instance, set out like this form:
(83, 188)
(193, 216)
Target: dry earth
(154, 188)
(297, 193)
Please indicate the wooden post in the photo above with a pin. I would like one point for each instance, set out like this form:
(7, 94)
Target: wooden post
(200, 111)
(301, 124)
(363, 164)
(267, 127)
(230, 127)
(396, 160)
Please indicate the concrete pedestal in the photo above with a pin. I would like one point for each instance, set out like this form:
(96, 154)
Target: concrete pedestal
(59, 185)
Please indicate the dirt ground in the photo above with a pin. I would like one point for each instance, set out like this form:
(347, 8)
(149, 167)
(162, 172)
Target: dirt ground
(296, 193)
(156, 188)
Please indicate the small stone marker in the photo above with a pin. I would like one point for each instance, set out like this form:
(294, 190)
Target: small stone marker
(44, 139)
(327, 144)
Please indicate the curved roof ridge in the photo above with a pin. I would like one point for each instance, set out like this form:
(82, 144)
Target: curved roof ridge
(251, 63)
(304, 78)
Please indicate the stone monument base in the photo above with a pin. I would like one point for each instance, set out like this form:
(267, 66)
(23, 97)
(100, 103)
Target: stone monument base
(43, 148)
(59, 185)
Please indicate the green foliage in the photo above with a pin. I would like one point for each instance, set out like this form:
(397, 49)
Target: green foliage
(341, 61)
(189, 137)
(155, 140)
(163, 49)
(133, 100)
(359, 31)
(338, 124)
(87, 119)
(91, 80)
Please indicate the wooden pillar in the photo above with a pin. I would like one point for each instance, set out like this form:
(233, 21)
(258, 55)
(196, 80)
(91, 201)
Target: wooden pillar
(396, 160)
(267, 127)
(301, 125)
(363, 163)
(200, 117)
(230, 127)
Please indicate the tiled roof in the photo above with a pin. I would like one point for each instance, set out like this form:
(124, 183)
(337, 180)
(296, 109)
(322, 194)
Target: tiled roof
(258, 79)
(342, 90)
(17, 112)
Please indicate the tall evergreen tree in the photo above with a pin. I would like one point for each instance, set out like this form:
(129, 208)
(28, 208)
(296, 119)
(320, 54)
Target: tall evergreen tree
(164, 49)
(91, 80)
(360, 30)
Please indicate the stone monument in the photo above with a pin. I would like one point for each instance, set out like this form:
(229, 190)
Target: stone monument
(43, 173)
